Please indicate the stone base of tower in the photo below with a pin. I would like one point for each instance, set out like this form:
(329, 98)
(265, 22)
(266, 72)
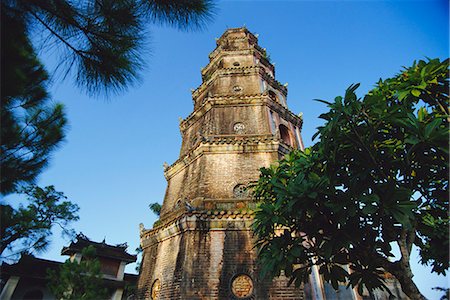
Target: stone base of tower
(206, 256)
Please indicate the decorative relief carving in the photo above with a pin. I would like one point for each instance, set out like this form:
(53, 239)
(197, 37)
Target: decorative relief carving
(237, 88)
(239, 127)
(242, 286)
(240, 191)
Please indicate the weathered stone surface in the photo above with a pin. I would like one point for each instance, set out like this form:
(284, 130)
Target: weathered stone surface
(202, 247)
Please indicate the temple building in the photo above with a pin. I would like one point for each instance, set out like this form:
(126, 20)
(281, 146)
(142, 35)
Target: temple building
(28, 278)
(203, 246)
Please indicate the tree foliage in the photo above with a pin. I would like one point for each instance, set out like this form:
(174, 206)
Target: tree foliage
(377, 176)
(28, 228)
(31, 126)
(79, 280)
(155, 208)
(102, 40)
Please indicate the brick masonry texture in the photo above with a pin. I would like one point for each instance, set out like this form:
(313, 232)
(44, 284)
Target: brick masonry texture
(201, 262)
(203, 239)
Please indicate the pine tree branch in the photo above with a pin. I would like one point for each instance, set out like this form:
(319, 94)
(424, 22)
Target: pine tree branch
(63, 40)
(30, 140)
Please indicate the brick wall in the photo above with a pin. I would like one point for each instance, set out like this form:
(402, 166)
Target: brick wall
(201, 261)
(197, 253)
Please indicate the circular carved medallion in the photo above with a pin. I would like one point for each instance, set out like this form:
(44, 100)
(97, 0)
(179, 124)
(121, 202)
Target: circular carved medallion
(240, 191)
(242, 286)
(237, 88)
(239, 127)
(156, 287)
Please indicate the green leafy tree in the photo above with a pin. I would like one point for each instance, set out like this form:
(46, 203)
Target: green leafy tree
(79, 280)
(155, 208)
(377, 177)
(28, 228)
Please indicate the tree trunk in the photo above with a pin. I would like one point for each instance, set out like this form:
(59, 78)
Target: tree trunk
(406, 282)
(402, 269)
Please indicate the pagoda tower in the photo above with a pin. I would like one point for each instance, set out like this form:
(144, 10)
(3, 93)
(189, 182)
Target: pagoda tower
(202, 246)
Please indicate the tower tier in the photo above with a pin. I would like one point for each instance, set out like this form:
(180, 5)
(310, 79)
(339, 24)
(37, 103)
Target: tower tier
(203, 246)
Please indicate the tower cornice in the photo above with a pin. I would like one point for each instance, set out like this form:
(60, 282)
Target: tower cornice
(240, 70)
(233, 34)
(255, 51)
(240, 100)
(199, 220)
(227, 144)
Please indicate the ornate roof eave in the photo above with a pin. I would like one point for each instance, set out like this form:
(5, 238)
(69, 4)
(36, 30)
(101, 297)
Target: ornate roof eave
(240, 100)
(221, 54)
(255, 51)
(283, 111)
(250, 36)
(103, 249)
(237, 29)
(223, 145)
(189, 221)
(245, 70)
(244, 99)
(275, 83)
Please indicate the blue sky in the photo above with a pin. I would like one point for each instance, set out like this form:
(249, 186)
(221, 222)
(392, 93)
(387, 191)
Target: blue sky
(111, 162)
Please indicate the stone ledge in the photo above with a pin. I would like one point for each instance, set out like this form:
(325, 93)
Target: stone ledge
(225, 146)
(261, 99)
(198, 221)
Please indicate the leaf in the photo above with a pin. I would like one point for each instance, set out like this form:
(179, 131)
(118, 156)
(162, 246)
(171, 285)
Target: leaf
(370, 198)
(312, 195)
(340, 273)
(323, 101)
(421, 114)
(296, 251)
(369, 209)
(402, 95)
(429, 128)
(413, 140)
(403, 212)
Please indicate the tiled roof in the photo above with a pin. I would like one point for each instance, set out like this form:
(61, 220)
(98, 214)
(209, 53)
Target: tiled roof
(102, 249)
(31, 267)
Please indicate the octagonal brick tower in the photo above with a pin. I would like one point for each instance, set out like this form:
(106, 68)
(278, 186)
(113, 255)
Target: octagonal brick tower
(202, 246)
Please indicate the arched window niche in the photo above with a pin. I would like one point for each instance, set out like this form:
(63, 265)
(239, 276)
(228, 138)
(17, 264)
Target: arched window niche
(154, 290)
(273, 96)
(286, 135)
